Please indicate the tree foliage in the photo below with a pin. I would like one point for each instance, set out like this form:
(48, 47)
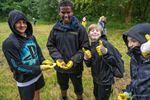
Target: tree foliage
(121, 10)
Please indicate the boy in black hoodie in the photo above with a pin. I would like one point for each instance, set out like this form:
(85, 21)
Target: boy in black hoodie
(24, 57)
(139, 51)
(102, 61)
(65, 44)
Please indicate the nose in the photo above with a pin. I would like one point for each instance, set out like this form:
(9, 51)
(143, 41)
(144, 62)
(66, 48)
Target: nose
(22, 23)
(66, 15)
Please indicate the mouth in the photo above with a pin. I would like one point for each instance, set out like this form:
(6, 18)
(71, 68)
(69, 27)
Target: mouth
(95, 34)
(66, 21)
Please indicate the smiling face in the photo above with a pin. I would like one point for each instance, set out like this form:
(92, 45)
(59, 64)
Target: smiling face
(66, 13)
(21, 26)
(132, 43)
(94, 34)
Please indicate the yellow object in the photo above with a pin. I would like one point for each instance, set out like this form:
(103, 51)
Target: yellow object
(46, 62)
(69, 64)
(122, 96)
(99, 47)
(60, 63)
(145, 47)
(46, 67)
(147, 36)
(87, 52)
(84, 23)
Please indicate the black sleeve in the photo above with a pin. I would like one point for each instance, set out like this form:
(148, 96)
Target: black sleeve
(12, 55)
(53, 51)
(83, 42)
(41, 57)
(88, 63)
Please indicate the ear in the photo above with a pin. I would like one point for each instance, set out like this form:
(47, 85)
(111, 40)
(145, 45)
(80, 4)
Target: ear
(71, 14)
(59, 14)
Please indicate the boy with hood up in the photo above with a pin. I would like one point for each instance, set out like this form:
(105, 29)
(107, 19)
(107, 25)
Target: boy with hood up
(65, 44)
(24, 57)
(136, 42)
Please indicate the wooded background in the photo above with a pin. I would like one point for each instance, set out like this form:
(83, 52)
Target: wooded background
(127, 11)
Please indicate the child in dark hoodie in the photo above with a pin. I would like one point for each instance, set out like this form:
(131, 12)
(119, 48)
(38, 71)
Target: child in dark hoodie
(65, 44)
(24, 56)
(104, 58)
(139, 87)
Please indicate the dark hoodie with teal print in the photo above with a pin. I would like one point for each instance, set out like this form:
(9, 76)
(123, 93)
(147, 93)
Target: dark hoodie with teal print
(66, 42)
(139, 66)
(23, 54)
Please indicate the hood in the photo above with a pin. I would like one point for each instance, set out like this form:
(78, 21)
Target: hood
(74, 24)
(16, 15)
(137, 32)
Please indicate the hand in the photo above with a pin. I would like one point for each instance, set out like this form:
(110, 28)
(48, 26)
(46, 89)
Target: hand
(122, 96)
(46, 67)
(60, 63)
(101, 50)
(87, 53)
(69, 64)
(46, 62)
(145, 47)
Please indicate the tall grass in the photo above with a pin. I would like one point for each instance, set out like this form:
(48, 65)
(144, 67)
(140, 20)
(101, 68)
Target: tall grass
(8, 89)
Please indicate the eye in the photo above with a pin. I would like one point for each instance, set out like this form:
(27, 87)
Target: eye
(133, 40)
(92, 30)
(97, 30)
(24, 22)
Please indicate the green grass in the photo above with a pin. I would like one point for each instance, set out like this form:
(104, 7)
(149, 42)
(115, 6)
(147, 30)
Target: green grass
(8, 89)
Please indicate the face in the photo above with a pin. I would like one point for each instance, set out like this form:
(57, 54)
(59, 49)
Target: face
(94, 34)
(132, 42)
(21, 26)
(66, 13)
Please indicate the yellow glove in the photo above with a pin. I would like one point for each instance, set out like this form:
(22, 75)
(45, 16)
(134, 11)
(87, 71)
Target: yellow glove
(87, 53)
(60, 63)
(145, 47)
(46, 62)
(98, 48)
(122, 96)
(46, 67)
(101, 49)
(69, 64)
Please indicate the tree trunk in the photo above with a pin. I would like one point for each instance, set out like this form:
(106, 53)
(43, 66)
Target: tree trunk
(128, 12)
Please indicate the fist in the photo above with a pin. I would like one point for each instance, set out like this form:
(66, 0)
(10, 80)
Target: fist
(87, 53)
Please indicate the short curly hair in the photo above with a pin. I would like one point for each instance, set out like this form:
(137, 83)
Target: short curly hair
(65, 3)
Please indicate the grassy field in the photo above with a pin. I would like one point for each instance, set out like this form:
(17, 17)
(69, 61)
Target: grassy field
(8, 89)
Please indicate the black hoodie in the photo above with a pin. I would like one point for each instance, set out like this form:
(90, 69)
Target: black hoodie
(22, 53)
(139, 66)
(102, 66)
(66, 42)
